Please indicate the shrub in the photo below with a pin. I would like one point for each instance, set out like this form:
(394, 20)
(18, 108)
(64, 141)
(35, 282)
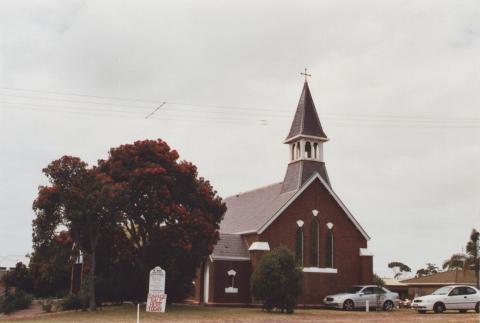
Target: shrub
(377, 280)
(47, 305)
(75, 302)
(19, 277)
(277, 280)
(15, 301)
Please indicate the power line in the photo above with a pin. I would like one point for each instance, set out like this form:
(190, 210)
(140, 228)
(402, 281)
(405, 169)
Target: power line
(75, 101)
(278, 112)
(122, 115)
(255, 116)
(80, 95)
(262, 122)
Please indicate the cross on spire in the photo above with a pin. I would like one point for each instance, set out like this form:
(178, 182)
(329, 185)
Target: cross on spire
(306, 74)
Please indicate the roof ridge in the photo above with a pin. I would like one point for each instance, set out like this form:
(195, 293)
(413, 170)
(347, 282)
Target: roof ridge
(253, 190)
(229, 234)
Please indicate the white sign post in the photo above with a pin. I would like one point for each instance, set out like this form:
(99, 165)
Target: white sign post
(157, 299)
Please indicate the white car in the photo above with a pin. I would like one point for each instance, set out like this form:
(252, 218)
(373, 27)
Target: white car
(457, 297)
(358, 296)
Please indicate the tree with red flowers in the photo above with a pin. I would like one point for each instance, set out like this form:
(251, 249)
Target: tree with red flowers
(138, 209)
(80, 198)
(170, 215)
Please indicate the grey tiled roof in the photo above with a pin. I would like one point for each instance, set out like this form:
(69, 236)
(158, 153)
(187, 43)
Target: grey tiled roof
(230, 246)
(248, 211)
(306, 121)
(301, 171)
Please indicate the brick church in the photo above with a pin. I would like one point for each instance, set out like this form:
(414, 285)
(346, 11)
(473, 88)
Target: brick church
(303, 213)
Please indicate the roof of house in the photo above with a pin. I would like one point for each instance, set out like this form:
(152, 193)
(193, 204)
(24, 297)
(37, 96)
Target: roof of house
(306, 121)
(392, 282)
(230, 246)
(455, 276)
(248, 211)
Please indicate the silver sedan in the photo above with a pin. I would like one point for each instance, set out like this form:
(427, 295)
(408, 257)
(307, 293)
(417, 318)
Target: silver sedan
(360, 296)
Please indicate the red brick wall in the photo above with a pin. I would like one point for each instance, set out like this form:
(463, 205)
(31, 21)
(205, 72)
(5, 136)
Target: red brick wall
(367, 269)
(347, 241)
(250, 238)
(219, 280)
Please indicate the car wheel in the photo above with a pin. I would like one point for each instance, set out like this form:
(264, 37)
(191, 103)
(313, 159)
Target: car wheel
(348, 305)
(438, 308)
(422, 311)
(477, 307)
(388, 306)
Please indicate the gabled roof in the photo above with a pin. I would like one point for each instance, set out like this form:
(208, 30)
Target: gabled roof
(306, 121)
(300, 191)
(230, 247)
(254, 211)
(247, 211)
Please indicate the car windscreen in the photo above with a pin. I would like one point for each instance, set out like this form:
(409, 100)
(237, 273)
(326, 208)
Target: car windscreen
(353, 290)
(442, 291)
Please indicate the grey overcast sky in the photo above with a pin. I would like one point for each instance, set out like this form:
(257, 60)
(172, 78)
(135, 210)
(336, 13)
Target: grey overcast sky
(396, 85)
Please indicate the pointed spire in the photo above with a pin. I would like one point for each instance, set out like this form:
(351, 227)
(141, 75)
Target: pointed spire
(306, 121)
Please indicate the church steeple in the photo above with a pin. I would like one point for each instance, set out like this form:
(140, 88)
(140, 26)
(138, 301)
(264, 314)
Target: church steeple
(306, 122)
(305, 140)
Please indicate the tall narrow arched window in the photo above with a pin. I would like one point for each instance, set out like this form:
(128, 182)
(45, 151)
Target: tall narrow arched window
(315, 150)
(314, 249)
(329, 250)
(293, 152)
(308, 149)
(298, 150)
(299, 246)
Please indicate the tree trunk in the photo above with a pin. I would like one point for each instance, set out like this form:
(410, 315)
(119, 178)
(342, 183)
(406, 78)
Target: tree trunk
(91, 282)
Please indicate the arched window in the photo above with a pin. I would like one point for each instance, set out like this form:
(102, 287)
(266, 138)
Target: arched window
(314, 249)
(308, 149)
(298, 150)
(293, 152)
(299, 246)
(315, 150)
(329, 250)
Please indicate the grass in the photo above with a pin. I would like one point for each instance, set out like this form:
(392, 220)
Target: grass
(191, 313)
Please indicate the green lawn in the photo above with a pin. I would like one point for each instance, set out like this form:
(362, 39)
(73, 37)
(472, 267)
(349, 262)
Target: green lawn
(192, 313)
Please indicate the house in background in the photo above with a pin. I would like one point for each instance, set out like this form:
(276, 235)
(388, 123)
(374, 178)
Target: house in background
(396, 286)
(427, 284)
(302, 212)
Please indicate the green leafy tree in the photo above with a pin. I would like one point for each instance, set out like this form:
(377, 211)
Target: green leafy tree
(18, 277)
(51, 264)
(429, 269)
(469, 260)
(277, 280)
(456, 261)
(473, 252)
(399, 268)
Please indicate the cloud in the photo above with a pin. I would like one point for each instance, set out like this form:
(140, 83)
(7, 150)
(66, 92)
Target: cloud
(408, 185)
